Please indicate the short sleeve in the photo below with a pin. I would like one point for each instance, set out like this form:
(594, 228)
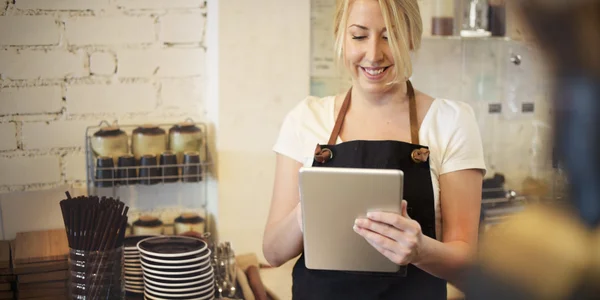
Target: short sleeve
(464, 148)
(288, 142)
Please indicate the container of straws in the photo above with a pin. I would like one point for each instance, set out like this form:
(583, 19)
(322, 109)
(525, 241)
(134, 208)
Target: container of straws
(95, 230)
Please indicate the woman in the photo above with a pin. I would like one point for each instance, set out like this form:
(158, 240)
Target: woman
(382, 122)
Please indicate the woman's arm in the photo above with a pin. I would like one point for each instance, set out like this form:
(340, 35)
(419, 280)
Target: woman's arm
(400, 238)
(460, 198)
(282, 239)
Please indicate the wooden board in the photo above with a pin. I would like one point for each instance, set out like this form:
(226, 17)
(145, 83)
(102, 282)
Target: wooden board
(7, 278)
(41, 267)
(41, 246)
(6, 295)
(4, 254)
(42, 285)
(43, 277)
(42, 293)
(5, 286)
(58, 297)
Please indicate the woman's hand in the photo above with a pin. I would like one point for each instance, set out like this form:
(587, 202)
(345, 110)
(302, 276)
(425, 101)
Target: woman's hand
(398, 237)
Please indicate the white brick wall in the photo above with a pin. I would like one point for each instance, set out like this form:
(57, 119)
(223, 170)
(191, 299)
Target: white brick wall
(8, 136)
(62, 4)
(160, 62)
(182, 93)
(29, 170)
(109, 30)
(103, 63)
(181, 28)
(51, 135)
(32, 64)
(74, 164)
(159, 4)
(31, 100)
(39, 30)
(69, 64)
(114, 98)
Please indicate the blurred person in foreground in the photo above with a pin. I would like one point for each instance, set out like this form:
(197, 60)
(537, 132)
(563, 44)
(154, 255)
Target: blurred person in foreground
(553, 251)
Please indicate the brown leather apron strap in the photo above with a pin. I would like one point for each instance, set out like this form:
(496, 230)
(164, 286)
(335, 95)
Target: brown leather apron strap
(412, 111)
(418, 155)
(340, 119)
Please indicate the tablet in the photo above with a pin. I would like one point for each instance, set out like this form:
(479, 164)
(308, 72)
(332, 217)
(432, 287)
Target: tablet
(331, 199)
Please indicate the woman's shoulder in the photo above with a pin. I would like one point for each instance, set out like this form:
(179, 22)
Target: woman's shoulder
(453, 109)
(312, 107)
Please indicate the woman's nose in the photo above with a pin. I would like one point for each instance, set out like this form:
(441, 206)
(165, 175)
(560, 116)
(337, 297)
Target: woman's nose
(374, 53)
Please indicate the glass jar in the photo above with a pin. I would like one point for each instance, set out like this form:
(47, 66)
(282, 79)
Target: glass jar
(96, 274)
(442, 17)
(475, 20)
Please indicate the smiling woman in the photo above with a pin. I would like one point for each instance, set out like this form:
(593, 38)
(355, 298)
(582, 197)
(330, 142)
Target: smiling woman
(382, 122)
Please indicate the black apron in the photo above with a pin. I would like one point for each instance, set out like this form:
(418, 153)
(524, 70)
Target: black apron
(413, 160)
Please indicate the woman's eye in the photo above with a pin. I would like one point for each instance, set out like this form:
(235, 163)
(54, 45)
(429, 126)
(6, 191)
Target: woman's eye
(360, 37)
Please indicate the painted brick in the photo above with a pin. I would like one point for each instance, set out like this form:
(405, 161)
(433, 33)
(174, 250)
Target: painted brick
(75, 168)
(161, 62)
(182, 92)
(30, 100)
(62, 4)
(28, 30)
(31, 64)
(115, 98)
(159, 4)
(8, 136)
(182, 28)
(58, 134)
(109, 30)
(103, 63)
(29, 170)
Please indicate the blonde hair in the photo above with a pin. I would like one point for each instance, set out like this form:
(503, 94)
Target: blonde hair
(404, 26)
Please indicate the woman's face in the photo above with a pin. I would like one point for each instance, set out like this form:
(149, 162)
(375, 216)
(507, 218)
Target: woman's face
(367, 53)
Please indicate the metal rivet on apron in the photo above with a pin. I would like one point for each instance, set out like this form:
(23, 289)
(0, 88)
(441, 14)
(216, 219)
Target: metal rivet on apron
(323, 155)
(420, 155)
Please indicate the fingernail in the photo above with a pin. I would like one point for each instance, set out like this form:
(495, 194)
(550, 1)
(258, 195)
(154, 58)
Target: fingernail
(369, 215)
(355, 228)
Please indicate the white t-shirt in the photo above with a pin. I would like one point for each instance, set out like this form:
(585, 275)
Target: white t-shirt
(449, 129)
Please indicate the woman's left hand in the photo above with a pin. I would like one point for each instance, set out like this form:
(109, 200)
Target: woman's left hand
(398, 237)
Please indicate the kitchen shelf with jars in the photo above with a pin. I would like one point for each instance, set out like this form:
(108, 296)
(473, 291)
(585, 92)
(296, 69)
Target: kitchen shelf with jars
(159, 170)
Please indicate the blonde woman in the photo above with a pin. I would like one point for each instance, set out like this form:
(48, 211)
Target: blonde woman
(383, 123)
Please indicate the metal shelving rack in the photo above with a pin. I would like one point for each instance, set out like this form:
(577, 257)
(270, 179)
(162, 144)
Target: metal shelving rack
(159, 182)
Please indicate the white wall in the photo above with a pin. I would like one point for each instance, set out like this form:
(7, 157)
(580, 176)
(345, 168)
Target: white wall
(263, 72)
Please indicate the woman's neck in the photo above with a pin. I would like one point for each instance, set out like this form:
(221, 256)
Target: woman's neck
(395, 96)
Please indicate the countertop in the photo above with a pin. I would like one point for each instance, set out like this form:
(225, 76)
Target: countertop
(279, 281)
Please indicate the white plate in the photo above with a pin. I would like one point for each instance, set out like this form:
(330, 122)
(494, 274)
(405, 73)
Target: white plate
(198, 265)
(134, 278)
(179, 279)
(136, 272)
(207, 297)
(198, 289)
(134, 286)
(199, 250)
(171, 294)
(174, 272)
(177, 285)
(134, 290)
(172, 262)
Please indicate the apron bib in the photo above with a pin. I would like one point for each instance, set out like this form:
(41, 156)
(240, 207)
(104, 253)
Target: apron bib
(413, 160)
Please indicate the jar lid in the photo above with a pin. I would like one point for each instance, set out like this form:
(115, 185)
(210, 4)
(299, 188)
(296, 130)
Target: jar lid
(149, 129)
(109, 131)
(185, 127)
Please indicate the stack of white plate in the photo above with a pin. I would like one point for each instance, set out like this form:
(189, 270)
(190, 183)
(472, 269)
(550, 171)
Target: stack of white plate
(134, 281)
(176, 267)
